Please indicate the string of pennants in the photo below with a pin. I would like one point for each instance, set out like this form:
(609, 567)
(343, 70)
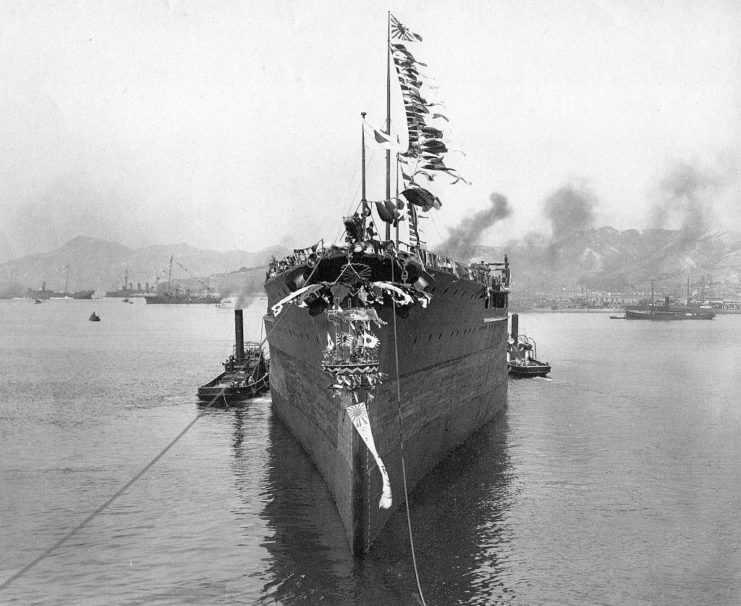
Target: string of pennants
(427, 148)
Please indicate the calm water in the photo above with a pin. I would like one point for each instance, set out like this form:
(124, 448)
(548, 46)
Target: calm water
(618, 481)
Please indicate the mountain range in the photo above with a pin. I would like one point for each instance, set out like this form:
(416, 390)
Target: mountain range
(102, 265)
(599, 259)
(606, 259)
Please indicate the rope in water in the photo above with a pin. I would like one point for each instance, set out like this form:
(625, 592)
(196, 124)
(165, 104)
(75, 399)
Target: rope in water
(98, 511)
(126, 486)
(21, 572)
(401, 449)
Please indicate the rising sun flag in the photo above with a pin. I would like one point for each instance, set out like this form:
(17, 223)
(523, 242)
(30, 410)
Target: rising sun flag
(358, 414)
(377, 138)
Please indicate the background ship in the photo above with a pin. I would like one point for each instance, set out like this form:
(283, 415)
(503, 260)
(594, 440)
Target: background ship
(128, 290)
(44, 294)
(649, 310)
(178, 297)
(385, 356)
(181, 297)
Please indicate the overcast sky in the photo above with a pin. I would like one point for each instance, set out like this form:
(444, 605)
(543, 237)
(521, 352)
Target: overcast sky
(236, 124)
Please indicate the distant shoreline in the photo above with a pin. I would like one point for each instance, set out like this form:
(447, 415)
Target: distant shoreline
(619, 310)
(566, 310)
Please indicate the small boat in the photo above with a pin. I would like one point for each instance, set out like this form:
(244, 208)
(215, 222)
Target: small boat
(617, 317)
(246, 373)
(521, 355)
(94, 317)
(126, 301)
(528, 367)
(37, 301)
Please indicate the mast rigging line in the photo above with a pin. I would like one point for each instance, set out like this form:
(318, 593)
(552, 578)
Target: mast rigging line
(401, 450)
(353, 202)
(42, 556)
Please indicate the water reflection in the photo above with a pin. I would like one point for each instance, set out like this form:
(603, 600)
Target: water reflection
(460, 522)
(459, 518)
(310, 558)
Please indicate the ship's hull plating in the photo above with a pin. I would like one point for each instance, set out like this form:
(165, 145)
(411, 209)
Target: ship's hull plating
(452, 380)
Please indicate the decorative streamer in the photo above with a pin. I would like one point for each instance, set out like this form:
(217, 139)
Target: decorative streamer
(427, 148)
(358, 414)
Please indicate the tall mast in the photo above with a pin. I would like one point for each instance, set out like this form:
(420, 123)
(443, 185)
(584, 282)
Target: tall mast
(363, 201)
(396, 175)
(388, 113)
(169, 275)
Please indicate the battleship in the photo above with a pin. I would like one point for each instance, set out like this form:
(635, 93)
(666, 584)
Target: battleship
(384, 355)
(128, 290)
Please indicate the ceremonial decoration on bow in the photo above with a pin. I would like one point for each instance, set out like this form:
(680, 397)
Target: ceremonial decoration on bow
(324, 295)
(358, 414)
(352, 356)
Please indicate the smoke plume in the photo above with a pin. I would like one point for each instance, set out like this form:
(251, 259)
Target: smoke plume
(570, 209)
(683, 199)
(462, 239)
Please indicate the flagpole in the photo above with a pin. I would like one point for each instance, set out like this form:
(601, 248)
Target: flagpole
(363, 201)
(396, 175)
(388, 113)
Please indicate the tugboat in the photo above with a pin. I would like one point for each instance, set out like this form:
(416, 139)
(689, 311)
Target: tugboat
(94, 317)
(246, 372)
(521, 355)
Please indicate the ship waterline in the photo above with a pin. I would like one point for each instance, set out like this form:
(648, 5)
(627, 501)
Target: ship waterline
(451, 380)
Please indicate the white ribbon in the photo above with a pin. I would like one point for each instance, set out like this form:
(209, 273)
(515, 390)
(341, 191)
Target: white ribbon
(401, 297)
(359, 416)
(278, 307)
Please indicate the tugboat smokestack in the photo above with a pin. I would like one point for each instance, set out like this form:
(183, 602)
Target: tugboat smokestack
(239, 335)
(515, 327)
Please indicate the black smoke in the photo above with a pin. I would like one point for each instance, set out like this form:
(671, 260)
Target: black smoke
(570, 209)
(462, 239)
(684, 199)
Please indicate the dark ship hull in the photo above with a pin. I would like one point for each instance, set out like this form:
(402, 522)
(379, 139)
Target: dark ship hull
(664, 312)
(126, 293)
(182, 299)
(83, 294)
(452, 379)
(246, 372)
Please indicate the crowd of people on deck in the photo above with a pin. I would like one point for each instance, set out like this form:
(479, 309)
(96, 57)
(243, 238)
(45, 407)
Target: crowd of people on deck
(494, 275)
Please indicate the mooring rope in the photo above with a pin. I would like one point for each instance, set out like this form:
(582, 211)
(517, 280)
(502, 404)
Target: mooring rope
(128, 484)
(401, 447)
(100, 509)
